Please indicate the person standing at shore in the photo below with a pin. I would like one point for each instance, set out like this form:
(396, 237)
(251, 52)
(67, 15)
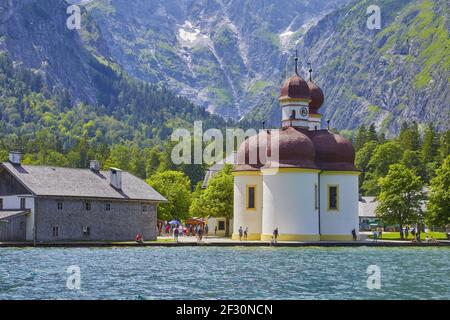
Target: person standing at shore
(240, 233)
(246, 233)
(275, 235)
(354, 234)
(200, 234)
(168, 229)
(176, 233)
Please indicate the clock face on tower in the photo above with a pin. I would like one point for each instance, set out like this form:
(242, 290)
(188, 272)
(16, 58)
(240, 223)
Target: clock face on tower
(304, 112)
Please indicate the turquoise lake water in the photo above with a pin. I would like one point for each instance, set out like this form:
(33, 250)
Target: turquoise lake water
(225, 273)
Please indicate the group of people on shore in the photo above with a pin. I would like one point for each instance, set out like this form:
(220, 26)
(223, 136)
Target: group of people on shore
(243, 234)
(377, 234)
(178, 230)
(405, 234)
(198, 231)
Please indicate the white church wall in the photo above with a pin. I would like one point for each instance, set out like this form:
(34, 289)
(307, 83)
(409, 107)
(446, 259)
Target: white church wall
(315, 123)
(243, 217)
(289, 205)
(338, 224)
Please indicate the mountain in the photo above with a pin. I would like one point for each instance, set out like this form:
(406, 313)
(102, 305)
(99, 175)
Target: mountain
(60, 83)
(388, 76)
(221, 54)
(131, 59)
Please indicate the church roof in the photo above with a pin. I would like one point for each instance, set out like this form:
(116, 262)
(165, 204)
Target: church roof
(298, 148)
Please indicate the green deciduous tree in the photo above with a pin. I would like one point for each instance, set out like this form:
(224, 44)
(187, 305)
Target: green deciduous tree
(413, 160)
(400, 196)
(383, 156)
(438, 207)
(362, 159)
(176, 188)
(217, 199)
(4, 155)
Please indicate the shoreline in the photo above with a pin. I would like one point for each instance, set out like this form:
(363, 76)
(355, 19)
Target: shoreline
(221, 243)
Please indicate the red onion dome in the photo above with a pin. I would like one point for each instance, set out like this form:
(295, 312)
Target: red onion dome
(333, 151)
(248, 155)
(295, 150)
(295, 88)
(317, 97)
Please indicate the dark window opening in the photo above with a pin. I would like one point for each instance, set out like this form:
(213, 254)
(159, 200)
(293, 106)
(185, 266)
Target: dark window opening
(108, 207)
(316, 197)
(22, 203)
(144, 208)
(86, 231)
(221, 225)
(251, 198)
(60, 206)
(333, 197)
(55, 231)
(87, 206)
(1, 204)
(293, 114)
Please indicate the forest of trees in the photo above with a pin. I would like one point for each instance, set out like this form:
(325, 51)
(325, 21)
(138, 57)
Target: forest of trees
(131, 125)
(422, 152)
(404, 172)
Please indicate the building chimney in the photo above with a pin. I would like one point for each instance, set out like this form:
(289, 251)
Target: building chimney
(15, 157)
(94, 165)
(115, 178)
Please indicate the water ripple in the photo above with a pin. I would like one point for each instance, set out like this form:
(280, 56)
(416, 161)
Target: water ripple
(225, 273)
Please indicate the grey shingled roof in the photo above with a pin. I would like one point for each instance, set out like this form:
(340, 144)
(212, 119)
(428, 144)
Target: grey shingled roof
(69, 182)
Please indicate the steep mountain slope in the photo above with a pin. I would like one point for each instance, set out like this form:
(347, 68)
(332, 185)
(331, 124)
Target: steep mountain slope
(221, 54)
(34, 34)
(399, 73)
(52, 79)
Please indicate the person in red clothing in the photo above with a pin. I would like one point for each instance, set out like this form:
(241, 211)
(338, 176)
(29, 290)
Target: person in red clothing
(139, 238)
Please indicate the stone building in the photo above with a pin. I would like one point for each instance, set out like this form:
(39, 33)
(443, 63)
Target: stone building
(44, 203)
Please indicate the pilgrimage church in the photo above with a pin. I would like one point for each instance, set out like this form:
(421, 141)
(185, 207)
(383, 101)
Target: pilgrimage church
(310, 193)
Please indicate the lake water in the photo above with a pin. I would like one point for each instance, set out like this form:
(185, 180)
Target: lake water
(225, 273)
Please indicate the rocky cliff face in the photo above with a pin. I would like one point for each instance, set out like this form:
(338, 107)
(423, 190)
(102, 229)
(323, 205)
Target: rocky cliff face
(221, 54)
(34, 34)
(231, 56)
(388, 76)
